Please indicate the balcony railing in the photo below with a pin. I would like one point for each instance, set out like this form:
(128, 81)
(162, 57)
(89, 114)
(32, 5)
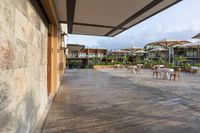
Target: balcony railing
(188, 56)
(85, 56)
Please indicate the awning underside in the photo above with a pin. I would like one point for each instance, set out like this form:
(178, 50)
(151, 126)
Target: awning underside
(106, 17)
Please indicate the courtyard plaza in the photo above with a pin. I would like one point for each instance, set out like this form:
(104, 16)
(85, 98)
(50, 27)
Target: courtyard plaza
(117, 101)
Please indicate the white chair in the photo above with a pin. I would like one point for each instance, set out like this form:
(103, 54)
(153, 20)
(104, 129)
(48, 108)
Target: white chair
(156, 71)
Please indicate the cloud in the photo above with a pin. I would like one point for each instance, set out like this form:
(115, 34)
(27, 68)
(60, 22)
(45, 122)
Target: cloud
(146, 35)
(178, 22)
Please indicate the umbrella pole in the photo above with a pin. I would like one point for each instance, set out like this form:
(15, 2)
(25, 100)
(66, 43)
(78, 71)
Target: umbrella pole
(198, 53)
(166, 59)
(169, 60)
(166, 55)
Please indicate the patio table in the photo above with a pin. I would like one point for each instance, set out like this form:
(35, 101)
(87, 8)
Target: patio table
(166, 72)
(133, 69)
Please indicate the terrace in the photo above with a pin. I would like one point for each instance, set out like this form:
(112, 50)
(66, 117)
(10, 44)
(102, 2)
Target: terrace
(124, 102)
(33, 72)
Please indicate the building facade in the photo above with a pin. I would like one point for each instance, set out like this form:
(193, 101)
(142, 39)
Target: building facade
(80, 57)
(93, 53)
(191, 54)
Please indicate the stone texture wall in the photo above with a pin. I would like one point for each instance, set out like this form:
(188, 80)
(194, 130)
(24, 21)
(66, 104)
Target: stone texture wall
(23, 66)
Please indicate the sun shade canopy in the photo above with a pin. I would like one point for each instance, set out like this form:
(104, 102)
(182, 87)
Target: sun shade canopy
(168, 42)
(197, 44)
(158, 49)
(106, 17)
(140, 52)
(197, 36)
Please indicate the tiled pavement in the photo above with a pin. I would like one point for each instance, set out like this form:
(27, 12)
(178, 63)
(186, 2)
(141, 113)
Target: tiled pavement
(113, 101)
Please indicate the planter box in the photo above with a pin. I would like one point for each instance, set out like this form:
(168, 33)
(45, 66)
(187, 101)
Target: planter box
(103, 66)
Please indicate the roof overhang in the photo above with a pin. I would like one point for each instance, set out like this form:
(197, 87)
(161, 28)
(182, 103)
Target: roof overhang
(106, 17)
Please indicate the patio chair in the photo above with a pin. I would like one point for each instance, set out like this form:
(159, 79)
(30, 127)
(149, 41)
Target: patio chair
(121, 66)
(137, 70)
(192, 72)
(175, 74)
(126, 66)
(139, 66)
(133, 69)
(156, 71)
(129, 68)
(189, 70)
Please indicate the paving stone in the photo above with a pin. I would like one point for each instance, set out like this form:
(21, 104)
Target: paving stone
(115, 101)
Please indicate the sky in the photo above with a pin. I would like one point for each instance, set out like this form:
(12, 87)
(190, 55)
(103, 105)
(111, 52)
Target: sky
(181, 21)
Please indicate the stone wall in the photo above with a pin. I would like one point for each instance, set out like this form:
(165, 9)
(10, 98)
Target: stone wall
(23, 66)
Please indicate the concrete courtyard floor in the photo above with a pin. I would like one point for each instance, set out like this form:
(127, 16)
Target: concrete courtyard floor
(116, 101)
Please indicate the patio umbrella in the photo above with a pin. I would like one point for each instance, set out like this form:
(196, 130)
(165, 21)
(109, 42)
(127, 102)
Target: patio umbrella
(166, 43)
(197, 36)
(140, 52)
(157, 49)
(192, 44)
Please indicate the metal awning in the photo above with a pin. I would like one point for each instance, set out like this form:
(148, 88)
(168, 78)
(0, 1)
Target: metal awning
(106, 17)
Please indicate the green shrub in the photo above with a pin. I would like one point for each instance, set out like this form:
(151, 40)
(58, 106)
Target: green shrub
(181, 60)
(171, 65)
(118, 63)
(129, 63)
(198, 64)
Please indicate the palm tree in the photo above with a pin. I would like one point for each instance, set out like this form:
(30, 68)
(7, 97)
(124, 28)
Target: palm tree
(125, 59)
(112, 58)
(181, 60)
